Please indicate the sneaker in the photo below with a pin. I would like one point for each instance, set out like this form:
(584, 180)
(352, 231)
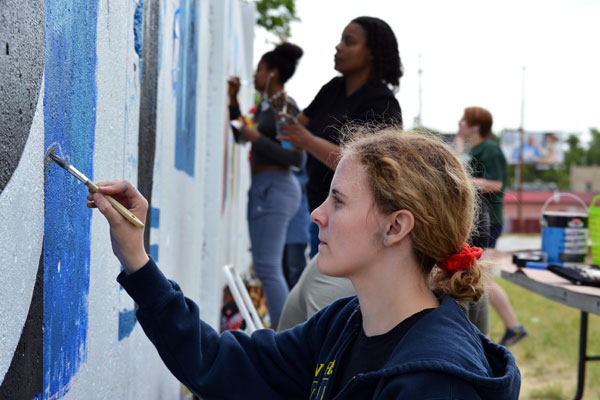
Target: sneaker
(513, 335)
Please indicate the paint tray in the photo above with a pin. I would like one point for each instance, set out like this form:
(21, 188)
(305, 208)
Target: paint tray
(582, 274)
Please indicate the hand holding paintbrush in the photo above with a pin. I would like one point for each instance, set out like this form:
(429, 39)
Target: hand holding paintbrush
(124, 208)
(127, 240)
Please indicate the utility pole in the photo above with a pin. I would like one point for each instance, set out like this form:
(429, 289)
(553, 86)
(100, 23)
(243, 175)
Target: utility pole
(520, 166)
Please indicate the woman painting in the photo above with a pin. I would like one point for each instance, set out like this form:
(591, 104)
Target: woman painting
(395, 222)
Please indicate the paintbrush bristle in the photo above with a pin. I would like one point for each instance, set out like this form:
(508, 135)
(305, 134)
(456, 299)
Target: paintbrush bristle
(60, 161)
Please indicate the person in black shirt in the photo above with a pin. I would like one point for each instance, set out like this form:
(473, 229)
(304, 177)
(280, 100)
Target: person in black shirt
(275, 193)
(368, 59)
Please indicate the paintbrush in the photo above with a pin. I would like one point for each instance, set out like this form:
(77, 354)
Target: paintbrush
(129, 216)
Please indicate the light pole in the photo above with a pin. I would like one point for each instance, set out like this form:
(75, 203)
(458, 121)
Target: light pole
(520, 166)
(418, 120)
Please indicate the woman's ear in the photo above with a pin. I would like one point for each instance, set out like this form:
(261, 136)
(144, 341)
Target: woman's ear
(401, 223)
(274, 72)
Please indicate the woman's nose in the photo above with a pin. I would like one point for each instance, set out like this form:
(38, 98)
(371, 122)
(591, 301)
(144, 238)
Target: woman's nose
(318, 216)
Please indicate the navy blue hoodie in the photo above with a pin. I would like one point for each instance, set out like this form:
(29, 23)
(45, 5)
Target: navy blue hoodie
(443, 356)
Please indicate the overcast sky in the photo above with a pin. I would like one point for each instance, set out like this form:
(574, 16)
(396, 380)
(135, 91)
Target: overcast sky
(472, 53)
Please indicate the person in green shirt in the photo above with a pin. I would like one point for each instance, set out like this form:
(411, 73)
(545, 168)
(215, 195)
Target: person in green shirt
(488, 168)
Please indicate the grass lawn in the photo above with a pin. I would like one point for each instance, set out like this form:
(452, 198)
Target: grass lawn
(548, 357)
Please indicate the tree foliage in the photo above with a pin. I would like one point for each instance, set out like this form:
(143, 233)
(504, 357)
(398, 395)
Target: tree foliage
(276, 16)
(593, 152)
(575, 155)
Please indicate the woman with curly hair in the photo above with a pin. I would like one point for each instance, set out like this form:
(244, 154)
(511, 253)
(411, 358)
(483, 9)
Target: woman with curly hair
(369, 62)
(395, 222)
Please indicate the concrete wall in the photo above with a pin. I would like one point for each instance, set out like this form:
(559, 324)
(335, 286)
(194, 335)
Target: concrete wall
(585, 179)
(122, 89)
(531, 205)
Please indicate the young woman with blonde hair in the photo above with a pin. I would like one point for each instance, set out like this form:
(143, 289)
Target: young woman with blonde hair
(395, 222)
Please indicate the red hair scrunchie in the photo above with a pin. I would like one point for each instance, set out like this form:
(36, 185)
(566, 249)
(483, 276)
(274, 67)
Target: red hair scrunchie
(463, 260)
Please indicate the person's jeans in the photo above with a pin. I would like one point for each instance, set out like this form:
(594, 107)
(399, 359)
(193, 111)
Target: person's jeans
(294, 261)
(273, 199)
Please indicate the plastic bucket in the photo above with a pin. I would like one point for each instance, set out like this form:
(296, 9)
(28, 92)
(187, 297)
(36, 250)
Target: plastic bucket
(564, 233)
(594, 226)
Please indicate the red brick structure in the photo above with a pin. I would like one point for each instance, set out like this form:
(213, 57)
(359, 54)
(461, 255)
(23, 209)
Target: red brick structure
(531, 208)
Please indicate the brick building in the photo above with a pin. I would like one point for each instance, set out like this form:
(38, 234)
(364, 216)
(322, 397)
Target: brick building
(531, 208)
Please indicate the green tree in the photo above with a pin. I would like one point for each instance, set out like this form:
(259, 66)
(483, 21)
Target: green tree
(575, 155)
(276, 16)
(592, 155)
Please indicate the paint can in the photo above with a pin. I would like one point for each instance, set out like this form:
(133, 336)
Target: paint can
(564, 233)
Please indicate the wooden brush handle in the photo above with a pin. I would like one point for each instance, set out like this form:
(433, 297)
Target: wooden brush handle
(128, 215)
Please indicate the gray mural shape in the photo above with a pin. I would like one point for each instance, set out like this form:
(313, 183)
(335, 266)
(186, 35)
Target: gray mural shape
(148, 102)
(24, 378)
(21, 69)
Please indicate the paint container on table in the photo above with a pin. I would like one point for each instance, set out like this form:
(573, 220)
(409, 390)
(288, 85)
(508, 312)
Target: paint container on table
(564, 233)
(522, 258)
(594, 226)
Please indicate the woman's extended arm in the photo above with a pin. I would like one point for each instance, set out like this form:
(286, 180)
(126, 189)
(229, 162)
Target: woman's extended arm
(487, 185)
(273, 151)
(295, 132)
(264, 365)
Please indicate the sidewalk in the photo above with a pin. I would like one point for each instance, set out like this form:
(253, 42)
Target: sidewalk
(510, 243)
(515, 242)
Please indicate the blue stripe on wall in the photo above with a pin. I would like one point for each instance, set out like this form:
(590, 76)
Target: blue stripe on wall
(69, 119)
(126, 323)
(185, 132)
(154, 252)
(154, 217)
(138, 19)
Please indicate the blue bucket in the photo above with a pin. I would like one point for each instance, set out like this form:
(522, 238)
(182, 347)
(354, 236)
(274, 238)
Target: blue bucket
(564, 234)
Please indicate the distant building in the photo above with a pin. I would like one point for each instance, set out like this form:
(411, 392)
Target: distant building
(585, 179)
(531, 208)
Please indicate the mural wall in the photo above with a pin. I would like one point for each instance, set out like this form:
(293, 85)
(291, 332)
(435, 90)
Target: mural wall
(122, 89)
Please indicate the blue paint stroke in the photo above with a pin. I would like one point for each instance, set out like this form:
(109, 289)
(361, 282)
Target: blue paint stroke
(69, 119)
(154, 252)
(185, 131)
(138, 20)
(154, 217)
(175, 71)
(126, 315)
(126, 323)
